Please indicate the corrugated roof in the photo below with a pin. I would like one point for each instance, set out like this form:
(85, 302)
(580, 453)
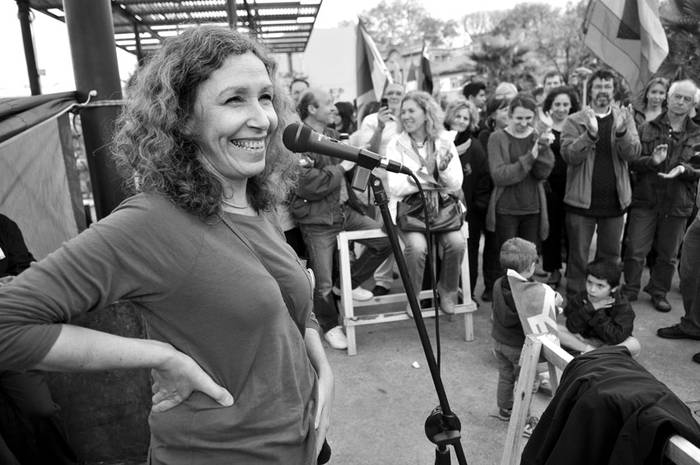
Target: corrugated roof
(284, 26)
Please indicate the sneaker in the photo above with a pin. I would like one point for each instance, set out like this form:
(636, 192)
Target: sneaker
(380, 290)
(486, 296)
(675, 332)
(530, 426)
(335, 337)
(359, 294)
(504, 414)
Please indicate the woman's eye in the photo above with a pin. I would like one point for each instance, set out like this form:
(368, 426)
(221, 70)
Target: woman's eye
(234, 99)
(267, 97)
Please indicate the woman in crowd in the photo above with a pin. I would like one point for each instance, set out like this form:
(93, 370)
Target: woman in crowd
(652, 101)
(559, 103)
(496, 118)
(226, 302)
(462, 117)
(344, 118)
(423, 146)
(519, 161)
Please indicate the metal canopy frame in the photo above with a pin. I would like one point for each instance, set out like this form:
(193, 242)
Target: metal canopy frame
(141, 25)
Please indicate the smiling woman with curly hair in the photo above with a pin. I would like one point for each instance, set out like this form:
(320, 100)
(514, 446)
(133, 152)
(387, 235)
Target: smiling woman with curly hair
(227, 304)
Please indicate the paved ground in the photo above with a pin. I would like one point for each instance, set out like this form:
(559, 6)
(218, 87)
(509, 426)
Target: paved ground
(382, 400)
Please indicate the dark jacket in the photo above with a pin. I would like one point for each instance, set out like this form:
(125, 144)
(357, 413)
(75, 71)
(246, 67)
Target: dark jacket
(506, 327)
(674, 197)
(476, 183)
(612, 325)
(608, 410)
(317, 196)
(16, 256)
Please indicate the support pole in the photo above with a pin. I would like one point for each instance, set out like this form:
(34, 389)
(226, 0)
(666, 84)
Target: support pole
(25, 22)
(91, 36)
(139, 50)
(290, 64)
(231, 13)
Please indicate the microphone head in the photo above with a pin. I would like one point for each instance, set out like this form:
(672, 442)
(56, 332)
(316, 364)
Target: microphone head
(296, 136)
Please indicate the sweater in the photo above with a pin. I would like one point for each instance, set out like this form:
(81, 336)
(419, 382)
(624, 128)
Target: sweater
(202, 290)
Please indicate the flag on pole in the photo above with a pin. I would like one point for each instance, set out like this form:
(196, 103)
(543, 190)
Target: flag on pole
(372, 73)
(425, 81)
(628, 36)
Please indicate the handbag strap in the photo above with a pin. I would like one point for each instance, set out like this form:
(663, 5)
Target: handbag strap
(244, 239)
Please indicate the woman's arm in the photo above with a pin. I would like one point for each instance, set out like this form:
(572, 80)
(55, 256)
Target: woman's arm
(175, 375)
(326, 384)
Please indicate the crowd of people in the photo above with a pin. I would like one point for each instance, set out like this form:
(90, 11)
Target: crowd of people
(227, 219)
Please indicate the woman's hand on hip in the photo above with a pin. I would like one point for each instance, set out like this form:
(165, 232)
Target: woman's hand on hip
(176, 379)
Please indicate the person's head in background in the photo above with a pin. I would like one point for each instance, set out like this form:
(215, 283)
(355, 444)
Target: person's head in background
(297, 87)
(316, 108)
(601, 89)
(475, 92)
(461, 115)
(393, 93)
(519, 255)
(551, 80)
(538, 94)
(696, 110)
(681, 97)
(653, 96)
(497, 112)
(344, 118)
(560, 103)
(505, 90)
(521, 112)
(602, 279)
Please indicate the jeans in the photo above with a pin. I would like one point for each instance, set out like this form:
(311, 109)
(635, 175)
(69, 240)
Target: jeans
(453, 246)
(321, 243)
(490, 261)
(508, 358)
(690, 279)
(510, 226)
(580, 230)
(644, 225)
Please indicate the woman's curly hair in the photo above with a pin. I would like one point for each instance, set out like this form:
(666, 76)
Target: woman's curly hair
(433, 113)
(150, 147)
(460, 104)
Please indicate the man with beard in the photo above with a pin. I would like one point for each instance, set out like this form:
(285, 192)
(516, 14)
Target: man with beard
(663, 196)
(597, 143)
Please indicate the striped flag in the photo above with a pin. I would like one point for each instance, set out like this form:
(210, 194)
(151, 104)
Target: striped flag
(425, 79)
(372, 73)
(628, 36)
(535, 303)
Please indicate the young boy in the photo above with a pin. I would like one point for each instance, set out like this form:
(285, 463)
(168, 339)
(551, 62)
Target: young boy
(600, 315)
(518, 255)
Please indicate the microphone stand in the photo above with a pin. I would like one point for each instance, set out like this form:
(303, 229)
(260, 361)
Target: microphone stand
(442, 427)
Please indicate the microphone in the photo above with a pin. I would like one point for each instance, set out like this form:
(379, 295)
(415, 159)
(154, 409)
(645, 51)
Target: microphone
(299, 137)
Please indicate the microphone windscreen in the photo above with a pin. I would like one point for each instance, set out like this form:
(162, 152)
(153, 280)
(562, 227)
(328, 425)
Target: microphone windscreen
(295, 137)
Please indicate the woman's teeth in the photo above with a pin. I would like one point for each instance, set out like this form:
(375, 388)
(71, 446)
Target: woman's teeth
(249, 144)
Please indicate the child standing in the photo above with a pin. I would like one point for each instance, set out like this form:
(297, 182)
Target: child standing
(520, 256)
(600, 315)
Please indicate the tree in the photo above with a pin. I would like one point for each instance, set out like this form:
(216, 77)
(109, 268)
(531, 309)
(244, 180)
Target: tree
(405, 24)
(681, 21)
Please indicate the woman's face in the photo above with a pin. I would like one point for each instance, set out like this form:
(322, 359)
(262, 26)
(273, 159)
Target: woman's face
(412, 117)
(656, 96)
(460, 121)
(233, 117)
(394, 94)
(561, 105)
(501, 117)
(521, 119)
